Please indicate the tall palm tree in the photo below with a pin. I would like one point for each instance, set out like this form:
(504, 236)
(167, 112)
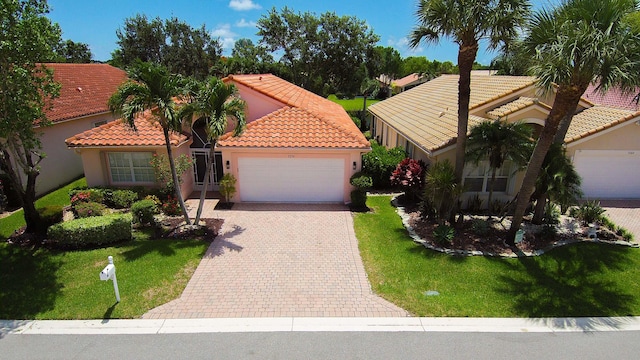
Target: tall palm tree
(578, 43)
(467, 22)
(558, 181)
(499, 141)
(216, 103)
(152, 88)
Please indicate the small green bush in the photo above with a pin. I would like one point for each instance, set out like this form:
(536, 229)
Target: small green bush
(123, 199)
(50, 215)
(156, 200)
(380, 163)
(88, 209)
(143, 211)
(589, 212)
(480, 227)
(228, 186)
(361, 181)
(444, 234)
(92, 231)
(359, 199)
(474, 204)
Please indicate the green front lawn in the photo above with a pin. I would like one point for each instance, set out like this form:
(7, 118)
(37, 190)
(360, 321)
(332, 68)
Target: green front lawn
(15, 221)
(45, 284)
(578, 280)
(352, 104)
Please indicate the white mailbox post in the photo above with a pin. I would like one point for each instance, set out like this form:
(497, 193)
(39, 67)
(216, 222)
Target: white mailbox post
(109, 273)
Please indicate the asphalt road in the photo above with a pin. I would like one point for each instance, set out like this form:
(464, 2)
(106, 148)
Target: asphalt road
(326, 345)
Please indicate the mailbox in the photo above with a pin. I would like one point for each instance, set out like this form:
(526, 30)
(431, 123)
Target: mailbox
(108, 272)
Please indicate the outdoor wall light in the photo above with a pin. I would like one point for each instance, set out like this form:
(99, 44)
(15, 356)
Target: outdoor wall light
(355, 165)
(228, 165)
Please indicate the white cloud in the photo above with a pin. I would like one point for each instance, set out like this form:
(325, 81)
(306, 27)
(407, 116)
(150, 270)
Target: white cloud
(242, 5)
(244, 23)
(403, 47)
(227, 37)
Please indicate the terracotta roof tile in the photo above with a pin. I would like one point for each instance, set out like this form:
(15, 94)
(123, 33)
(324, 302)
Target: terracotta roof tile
(291, 127)
(511, 107)
(407, 80)
(85, 89)
(118, 133)
(428, 113)
(318, 111)
(596, 119)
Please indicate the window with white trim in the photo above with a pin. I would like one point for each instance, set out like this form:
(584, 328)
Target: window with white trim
(131, 167)
(478, 178)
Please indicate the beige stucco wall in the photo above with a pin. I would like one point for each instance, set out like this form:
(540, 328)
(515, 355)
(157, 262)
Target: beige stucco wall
(349, 157)
(61, 164)
(622, 137)
(96, 168)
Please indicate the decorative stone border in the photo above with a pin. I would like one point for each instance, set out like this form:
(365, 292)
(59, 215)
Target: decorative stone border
(416, 238)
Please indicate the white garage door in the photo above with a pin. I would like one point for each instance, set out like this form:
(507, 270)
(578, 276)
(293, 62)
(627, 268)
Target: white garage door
(609, 174)
(291, 179)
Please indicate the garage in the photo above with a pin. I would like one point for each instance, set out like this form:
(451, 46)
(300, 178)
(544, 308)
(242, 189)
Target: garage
(291, 179)
(609, 174)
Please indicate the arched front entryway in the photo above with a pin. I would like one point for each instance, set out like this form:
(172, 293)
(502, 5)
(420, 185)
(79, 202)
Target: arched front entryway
(200, 152)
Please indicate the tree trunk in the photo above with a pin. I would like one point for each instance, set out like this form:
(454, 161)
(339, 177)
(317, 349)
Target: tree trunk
(564, 127)
(174, 175)
(466, 57)
(538, 214)
(565, 103)
(364, 105)
(205, 185)
(493, 179)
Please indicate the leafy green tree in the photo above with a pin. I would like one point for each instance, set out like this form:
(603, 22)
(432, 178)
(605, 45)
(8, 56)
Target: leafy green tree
(173, 43)
(384, 60)
(499, 141)
(216, 103)
(578, 43)
(27, 37)
(324, 53)
(152, 88)
(368, 88)
(512, 60)
(73, 52)
(247, 58)
(466, 22)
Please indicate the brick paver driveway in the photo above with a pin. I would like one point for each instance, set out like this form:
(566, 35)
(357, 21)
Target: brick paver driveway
(625, 213)
(280, 260)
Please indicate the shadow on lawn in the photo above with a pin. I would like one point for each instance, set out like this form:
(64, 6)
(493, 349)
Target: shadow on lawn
(29, 285)
(573, 281)
(164, 247)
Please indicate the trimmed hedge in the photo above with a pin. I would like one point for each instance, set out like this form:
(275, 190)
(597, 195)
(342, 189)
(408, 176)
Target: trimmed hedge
(143, 211)
(91, 231)
(123, 199)
(88, 209)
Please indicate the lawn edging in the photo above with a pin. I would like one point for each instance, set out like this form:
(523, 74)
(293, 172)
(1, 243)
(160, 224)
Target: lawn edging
(400, 210)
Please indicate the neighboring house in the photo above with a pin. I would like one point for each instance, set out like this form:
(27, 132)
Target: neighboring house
(297, 147)
(408, 82)
(603, 142)
(82, 105)
(614, 97)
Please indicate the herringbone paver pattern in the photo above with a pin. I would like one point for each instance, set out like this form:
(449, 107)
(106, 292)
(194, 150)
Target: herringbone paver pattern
(281, 260)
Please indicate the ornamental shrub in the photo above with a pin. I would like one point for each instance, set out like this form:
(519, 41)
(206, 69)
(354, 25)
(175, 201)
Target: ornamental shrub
(227, 186)
(409, 175)
(143, 211)
(358, 199)
(88, 209)
(443, 234)
(590, 212)
(49, 215)
(171, 207)
(86, 195)
(123, 199)
(380, 163)
(91, 232)
(361, 181)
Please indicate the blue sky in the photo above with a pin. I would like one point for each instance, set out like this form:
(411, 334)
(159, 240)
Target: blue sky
(95, 21)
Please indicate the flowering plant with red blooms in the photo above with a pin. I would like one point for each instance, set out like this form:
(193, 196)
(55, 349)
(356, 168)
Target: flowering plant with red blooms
(409, 175)
(170, 206)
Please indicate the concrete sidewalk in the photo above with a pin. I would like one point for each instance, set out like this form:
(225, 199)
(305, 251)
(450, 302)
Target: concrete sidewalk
(302, 324)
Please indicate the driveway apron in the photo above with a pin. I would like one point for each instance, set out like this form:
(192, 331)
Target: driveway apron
(625, 213)
(280, 260)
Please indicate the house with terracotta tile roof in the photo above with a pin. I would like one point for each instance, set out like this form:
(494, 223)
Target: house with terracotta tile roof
(82, 105)
(408, 82)
(297, 147)
(603, 142)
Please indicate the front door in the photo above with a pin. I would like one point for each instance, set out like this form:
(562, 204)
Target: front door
(200, 158)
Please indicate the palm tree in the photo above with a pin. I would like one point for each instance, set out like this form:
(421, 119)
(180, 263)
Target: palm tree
(578, 43)
(499, 141)
(558, 181)
(216, 103)
(152, 88)
(467, 22)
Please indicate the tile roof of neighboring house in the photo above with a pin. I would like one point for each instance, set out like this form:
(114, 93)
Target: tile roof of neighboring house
(85, 89)
(428, 114)
(596, 119)
(292, 128)
(304, 113)
(407, 80)
(513, 106)
(118, 133)
(613, 97)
